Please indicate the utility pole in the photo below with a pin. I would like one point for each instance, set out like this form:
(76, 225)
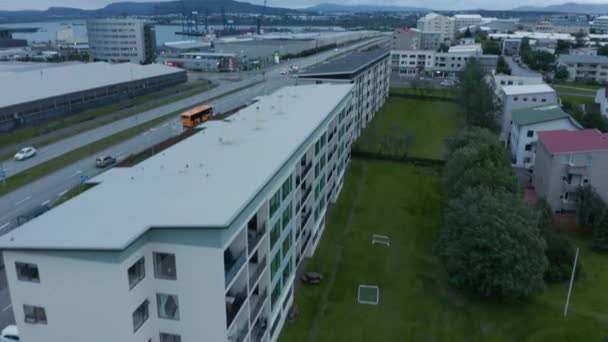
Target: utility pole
(571, 283)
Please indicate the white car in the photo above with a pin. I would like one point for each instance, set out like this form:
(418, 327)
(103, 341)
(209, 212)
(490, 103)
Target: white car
(25, 153)
(9, 334)
(284, 72)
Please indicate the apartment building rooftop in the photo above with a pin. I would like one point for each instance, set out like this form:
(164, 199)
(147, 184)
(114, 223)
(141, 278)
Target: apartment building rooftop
(204, 181)
(530, 116)
(28, 86)
(564, 141)
(467, 48)
(583, 59)
(467, 16)
(527, 89)
(350, 64)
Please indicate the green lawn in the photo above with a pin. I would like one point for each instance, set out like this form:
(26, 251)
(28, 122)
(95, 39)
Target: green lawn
(579, 100)
(429, 122)
(591, 87)
(415, 304)
(439, 92)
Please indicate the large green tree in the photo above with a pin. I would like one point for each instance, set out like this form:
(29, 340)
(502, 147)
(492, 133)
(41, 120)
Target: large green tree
(472, 136)
(599, 241)
(589, 207)
(491, 246)
(477, 97)
(561, 73)
(603, 50)
(502, 67)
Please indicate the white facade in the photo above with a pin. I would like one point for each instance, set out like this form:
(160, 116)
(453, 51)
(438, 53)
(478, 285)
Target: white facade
(121, 40)
(409, 63)
(520, 97)
(466, 20)
(600, 25)
(508, 80)
(437, 23)
(585, 68)
(602, 100)
(197, 243)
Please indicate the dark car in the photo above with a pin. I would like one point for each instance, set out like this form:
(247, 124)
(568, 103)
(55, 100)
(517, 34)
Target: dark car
(105, 161)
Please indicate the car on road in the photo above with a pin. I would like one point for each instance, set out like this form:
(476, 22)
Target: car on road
(283, 71)
(9, 334)
(448, 83)
(104, 161)
(25, 153)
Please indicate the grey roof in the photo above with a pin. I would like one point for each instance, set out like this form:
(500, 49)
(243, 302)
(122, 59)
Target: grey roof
(350, 64)
(583, 59)
(203, 182)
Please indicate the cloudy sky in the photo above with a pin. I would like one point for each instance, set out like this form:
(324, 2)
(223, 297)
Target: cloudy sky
(436, 4)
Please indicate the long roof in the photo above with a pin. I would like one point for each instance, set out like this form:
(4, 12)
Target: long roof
(583, 59)
(28, 86)
(530, 116)
(527, 89)
(564, 141)
(349, 64)
(203, 182)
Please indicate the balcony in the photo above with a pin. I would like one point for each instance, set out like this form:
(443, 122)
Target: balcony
(258, 302)
(254, 235)
(305, 217)
(577, 169)
(259, 330)
(234, 303)
(305, 170)
(305, 194)
(233, 264)
(256, 270)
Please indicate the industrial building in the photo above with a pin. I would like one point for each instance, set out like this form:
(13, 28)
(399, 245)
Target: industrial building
(7, 40)
(194, 243)
(120, 40)
(202, 61)
(31, 96)
(368, 71)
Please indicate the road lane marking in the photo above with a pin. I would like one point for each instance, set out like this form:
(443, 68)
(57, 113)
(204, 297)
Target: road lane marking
(4, 225)
(62, 193)
(23, 200)
(46, 202)
(7, 307)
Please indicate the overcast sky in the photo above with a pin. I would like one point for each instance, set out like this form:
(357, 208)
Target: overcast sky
(436, 4)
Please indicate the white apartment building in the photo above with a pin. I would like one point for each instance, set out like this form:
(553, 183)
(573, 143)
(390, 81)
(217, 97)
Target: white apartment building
(585, 68)
(437, 23)
(462, 21)
(526, 125)
(411, 63)
(198, 243)
(367, 70)
(520, 97)
(120, 40)
(600, 25)
(500, 80)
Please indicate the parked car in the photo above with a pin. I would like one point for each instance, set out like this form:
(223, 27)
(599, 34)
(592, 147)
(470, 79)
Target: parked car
(448, 83)
(9, 334)
(25, 153)
(104, 161)
(283, 71)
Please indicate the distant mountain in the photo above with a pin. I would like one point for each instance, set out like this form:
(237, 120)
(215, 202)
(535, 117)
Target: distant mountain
(144, 9)
(570, 7)
(337, 8)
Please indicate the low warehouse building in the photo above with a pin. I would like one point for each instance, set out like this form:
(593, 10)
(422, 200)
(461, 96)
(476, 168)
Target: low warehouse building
(29, 97)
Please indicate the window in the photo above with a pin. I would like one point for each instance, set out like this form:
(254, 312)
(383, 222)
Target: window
(530, 134)
(286, 188)
(275, 264)
(525, 99)
(528, 147)
(164, 337)
(140, 315)
(27, 272)
(164, 266)
(515, 98)
(168, 306)
(286, 245)
(275, 233)
(34, 314)
(136, 273)
(274, 296)
(275, 202)
(287, 214)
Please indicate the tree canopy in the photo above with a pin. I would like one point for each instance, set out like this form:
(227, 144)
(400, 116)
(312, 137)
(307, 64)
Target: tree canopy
(477, 98)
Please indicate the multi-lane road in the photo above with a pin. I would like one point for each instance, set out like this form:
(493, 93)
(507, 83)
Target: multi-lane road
(49, 188)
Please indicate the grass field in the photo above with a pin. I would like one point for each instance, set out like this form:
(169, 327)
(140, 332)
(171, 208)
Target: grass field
(430, 123)
(577, 100)
(170, 95)
(439, 92)
(415, 303)
(591, 87)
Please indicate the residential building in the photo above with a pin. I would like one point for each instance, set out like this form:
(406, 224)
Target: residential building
(119, 40)
(500, 80)
(520, 97)
(462, 21)
(405, 39)
(411, 63)
(585, 68)
(467, 41)
(566, 160)
(526, 125)
(584, 51)
(193, 243)
(601, 99)
(544, 25)
(368, 71)
(474, 49)
(31, 96)
(429, 41)
(437, 23)
(511, 46)
(501, 25)
(600, 25)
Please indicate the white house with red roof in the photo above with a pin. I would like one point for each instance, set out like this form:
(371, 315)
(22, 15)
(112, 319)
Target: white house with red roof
(566, 160)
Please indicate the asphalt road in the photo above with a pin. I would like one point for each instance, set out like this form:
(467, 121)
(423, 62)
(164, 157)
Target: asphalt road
(520, 70)
(47, 189)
